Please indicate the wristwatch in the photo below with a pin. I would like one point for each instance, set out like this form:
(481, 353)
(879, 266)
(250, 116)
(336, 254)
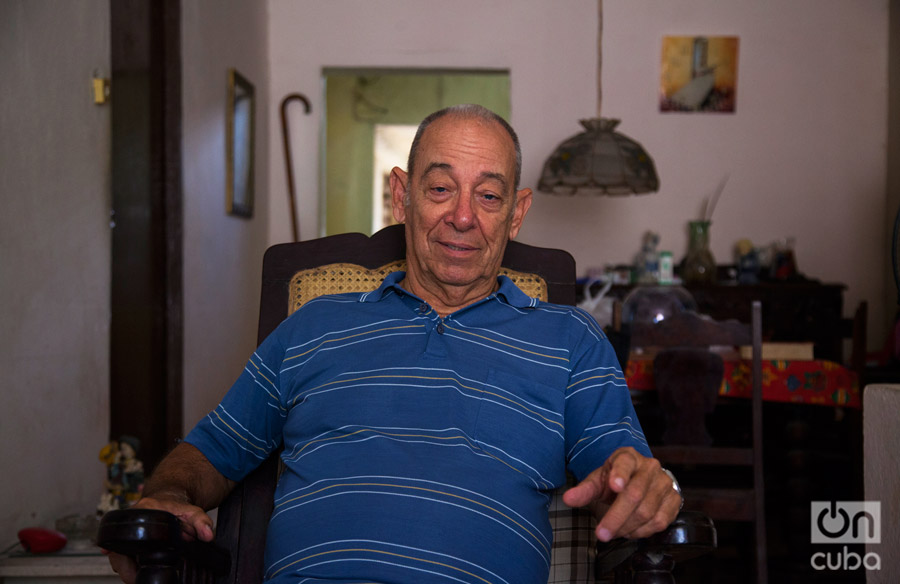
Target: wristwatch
(675, 485)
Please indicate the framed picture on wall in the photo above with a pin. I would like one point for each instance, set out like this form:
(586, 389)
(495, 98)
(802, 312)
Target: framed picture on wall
(239, 144)
(698, 74)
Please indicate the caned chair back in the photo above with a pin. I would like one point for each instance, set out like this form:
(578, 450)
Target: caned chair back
(345, 277)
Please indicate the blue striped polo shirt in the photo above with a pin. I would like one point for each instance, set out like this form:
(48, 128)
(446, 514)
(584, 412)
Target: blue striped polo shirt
(419, 448)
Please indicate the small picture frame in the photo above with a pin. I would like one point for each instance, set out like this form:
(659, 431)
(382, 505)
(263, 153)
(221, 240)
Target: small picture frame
(239, 145)
(698, 74)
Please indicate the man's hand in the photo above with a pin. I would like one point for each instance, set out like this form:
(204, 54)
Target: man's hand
(184, 484)
(195, 524)
(630, 495)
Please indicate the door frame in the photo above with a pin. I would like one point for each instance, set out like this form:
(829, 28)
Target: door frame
(146, 332)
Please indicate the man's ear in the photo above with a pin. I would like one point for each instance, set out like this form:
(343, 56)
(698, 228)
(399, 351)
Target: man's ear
(523, 203)
(399, 180)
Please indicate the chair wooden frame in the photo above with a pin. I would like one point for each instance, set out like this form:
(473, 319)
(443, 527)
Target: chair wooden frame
(244, 515)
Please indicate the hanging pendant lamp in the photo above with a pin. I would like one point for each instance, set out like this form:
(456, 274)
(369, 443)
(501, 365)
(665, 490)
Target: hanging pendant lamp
(600, 160)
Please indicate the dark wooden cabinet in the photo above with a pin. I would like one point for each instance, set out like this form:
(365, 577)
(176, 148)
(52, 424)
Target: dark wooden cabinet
(792, 311)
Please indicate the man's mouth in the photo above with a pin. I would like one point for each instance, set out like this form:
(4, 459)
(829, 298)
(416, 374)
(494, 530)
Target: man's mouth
(457, 247)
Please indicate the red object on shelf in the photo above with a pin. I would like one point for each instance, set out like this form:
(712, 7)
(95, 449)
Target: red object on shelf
(40, 540)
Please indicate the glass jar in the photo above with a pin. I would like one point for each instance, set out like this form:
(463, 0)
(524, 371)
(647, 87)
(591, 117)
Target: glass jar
(652, 304)
(699, 263)
(646, 306)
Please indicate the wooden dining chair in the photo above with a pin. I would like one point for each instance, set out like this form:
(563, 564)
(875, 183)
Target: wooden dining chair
(688, 373)
(294, 273)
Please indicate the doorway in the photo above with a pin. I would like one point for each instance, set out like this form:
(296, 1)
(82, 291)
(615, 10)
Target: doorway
(368, 106)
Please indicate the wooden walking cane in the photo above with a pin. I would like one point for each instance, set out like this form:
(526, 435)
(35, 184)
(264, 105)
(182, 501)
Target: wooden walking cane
(285, 134)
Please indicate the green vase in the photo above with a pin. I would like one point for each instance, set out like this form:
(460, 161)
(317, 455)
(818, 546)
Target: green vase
(699, 264)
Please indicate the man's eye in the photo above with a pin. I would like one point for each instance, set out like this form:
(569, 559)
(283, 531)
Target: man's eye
(439, 189)
(490, 197)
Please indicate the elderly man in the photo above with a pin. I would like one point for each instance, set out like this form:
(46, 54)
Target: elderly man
(426, 424)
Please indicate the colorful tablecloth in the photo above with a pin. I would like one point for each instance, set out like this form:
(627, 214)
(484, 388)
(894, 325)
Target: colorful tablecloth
(809, 382)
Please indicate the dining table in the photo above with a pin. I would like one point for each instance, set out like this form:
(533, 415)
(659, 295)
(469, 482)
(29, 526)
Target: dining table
(813, 381)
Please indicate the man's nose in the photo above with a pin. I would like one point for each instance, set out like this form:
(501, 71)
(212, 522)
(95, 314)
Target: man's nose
(461, 216)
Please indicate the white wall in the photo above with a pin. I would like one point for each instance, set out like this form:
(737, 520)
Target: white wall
(55, 240)
(805, 149)
(542, 43)
(222, 253)
(54, 261)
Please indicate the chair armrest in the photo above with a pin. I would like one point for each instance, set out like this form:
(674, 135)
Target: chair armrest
(153, 539)
(690, 535)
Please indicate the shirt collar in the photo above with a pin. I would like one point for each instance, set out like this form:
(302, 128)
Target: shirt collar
(507, 292)
(513, 295)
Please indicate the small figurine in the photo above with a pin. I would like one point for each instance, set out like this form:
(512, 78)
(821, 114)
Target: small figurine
(647, 262)
(747, 262)
(124, 474)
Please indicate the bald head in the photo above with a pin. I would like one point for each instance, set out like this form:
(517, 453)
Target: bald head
(466, 111)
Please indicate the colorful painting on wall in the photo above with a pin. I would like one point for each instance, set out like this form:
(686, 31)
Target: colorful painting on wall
(698, 74)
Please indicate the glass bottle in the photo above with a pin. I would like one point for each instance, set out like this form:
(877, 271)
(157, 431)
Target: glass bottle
(699, 264)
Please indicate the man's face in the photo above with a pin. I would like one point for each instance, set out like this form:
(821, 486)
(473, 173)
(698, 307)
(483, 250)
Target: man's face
(462, 207)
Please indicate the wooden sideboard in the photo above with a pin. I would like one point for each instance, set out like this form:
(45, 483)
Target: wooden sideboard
(792, 311)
